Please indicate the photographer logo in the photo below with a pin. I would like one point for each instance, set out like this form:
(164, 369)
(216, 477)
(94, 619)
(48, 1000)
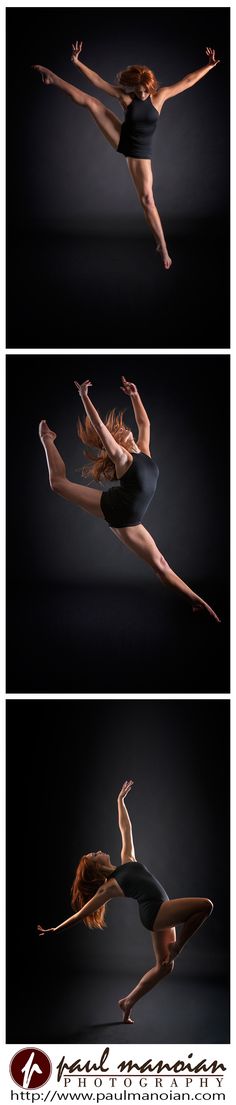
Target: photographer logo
(30, 1068)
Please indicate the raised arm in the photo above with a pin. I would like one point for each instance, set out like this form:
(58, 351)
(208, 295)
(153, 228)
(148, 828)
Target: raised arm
(167, 92)
(141, 416)
(112, 89)
(115, 451)
(104, 894)
(125, 826)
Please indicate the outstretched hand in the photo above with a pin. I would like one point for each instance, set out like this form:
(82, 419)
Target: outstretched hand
(128, 387)
(211, 54)
(126, 788)
(43, 932)
(76, 51)
(83, 388)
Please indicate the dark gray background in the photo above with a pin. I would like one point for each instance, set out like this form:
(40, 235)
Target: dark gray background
(77, 236)
(71, 175)
(75, 592)
(64, 774)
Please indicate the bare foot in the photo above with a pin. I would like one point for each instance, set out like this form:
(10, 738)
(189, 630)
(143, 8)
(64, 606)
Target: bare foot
(167, 260)
(124, 1005)
(46, 74)
(201, 607)
(44, 431)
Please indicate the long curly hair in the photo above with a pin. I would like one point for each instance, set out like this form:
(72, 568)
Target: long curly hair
(136, 75)
(88, 878)
(101, 467)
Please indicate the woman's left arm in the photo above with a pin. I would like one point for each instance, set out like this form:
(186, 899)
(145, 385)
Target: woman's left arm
(164, 94)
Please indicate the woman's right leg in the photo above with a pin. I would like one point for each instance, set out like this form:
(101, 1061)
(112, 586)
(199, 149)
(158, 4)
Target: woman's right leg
(85, 497)
(164, 964)
(106, 120)
(141, 173)
(139, 540)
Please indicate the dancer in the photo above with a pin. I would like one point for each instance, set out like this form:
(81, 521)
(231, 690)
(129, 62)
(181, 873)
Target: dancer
(98, 881)
(142, 98)
(123, 459)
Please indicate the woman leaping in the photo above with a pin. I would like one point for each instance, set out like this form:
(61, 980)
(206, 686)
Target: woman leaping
(120, 458)
(98, 881)
(142, 99)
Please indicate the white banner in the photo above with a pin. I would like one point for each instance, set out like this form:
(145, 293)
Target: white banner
(128, 1074)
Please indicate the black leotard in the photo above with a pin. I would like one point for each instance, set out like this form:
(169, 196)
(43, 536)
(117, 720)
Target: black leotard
(138, 129)
(136, 881)
(126, 504)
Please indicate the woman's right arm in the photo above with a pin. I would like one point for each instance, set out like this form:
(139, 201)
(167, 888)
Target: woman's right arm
(115, 451)
(112, 89)
(102, 895)
(125, 826)
(141, 416)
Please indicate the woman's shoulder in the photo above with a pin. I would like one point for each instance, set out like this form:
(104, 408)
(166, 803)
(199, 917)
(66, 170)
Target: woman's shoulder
(113, 889)
(158, 99)
(123, 463)
(124, 97)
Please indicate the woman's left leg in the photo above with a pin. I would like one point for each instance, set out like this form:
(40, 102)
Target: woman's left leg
(140, 541)
(190, 913)
(163, 966)
(141, 172)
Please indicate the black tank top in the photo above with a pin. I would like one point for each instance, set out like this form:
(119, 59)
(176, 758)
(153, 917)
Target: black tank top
(136, 881)
(138, 129)
(126, 504)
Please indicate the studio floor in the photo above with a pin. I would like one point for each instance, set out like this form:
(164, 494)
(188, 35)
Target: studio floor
(139, 640)
(83, 1009)
(107, 288)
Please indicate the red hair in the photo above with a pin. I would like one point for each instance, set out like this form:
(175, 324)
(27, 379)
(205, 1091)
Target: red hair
(135, 75)
(88, 878)
(102, 467)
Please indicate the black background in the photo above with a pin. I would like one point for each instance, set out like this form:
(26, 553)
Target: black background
(81, 260)
(66, 763)
(85, 614)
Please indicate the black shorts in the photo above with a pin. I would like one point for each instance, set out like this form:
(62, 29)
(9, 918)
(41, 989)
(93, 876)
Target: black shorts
(148, 910)
(118, 514)
(133, 147)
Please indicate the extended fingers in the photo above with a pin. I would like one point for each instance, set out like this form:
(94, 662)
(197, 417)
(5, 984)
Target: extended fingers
(77, 46)
(86, 383)
(211, 54)
(127, 786)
